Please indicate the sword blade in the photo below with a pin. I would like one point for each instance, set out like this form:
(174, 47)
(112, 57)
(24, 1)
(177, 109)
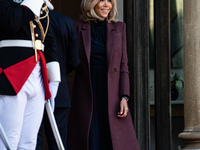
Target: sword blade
(4, 138)
(54, 126)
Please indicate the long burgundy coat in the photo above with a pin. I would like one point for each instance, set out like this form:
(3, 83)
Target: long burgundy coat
(122, 130)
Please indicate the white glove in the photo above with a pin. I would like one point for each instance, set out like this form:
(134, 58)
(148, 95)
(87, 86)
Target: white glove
(53, 87)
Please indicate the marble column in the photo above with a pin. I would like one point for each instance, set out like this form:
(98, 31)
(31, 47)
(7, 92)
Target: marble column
(191, 133)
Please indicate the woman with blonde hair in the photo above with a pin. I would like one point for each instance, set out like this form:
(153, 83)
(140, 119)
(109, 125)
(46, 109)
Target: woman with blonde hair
(99, 117)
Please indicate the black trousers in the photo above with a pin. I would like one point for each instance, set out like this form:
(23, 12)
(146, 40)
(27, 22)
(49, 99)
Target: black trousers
(61, 116)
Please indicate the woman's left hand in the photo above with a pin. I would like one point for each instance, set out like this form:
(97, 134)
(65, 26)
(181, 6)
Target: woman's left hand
(123, 108)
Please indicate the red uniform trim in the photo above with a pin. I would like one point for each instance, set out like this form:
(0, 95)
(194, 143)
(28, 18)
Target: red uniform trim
(25, 6)
(1, 70)
(17, 74)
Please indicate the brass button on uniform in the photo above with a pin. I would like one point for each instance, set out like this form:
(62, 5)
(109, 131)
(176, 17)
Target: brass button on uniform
(36, 35)
(115, 69)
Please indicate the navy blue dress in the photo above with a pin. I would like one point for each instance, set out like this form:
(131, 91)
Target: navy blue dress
(100, 138)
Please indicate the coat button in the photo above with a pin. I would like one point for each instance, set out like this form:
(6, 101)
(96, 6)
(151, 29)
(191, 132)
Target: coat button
(115, 69)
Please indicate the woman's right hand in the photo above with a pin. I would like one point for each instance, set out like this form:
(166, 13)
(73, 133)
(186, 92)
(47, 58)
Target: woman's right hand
(123, 108)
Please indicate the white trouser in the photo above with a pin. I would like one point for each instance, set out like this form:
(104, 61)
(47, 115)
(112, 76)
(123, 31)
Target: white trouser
(21, 115)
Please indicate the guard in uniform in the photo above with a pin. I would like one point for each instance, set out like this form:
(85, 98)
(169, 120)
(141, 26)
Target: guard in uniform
(29, 70)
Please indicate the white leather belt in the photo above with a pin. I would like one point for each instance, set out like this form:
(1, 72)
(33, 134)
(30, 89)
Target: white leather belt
(18, 43)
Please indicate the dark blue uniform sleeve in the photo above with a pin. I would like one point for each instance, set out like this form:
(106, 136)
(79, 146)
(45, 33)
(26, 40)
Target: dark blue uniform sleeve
(50, 47)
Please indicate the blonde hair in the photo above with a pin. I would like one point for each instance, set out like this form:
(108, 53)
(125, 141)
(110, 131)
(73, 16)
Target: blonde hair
(89, 14)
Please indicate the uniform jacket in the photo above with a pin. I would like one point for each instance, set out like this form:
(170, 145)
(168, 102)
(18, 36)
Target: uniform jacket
(122, 131)
(15, 25)
(67, 49)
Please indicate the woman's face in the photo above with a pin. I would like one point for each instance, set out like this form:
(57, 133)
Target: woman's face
(103, 7)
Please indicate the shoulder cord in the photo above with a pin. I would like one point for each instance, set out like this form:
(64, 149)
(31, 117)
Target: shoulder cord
(37, 43)
(40, 24)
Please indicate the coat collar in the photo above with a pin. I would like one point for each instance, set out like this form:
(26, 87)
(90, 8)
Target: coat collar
(86, 36)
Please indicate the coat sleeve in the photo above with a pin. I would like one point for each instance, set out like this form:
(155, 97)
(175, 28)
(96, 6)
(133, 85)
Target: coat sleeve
(124, 73)
(72, 49)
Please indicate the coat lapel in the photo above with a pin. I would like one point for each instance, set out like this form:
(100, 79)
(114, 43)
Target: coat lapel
(86, 36)
(110, 41)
